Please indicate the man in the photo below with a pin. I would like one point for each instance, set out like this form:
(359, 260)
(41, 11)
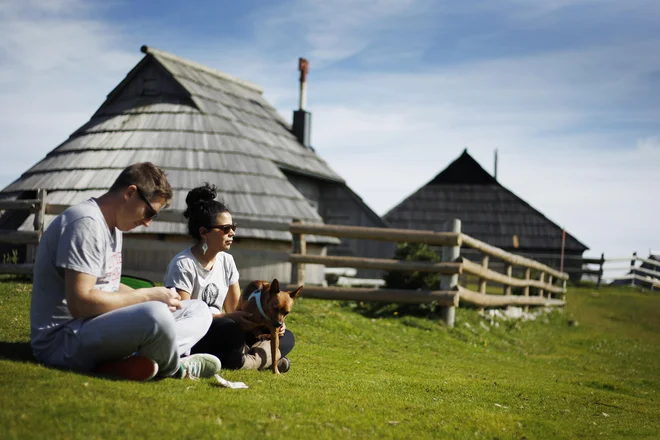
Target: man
(82, 318)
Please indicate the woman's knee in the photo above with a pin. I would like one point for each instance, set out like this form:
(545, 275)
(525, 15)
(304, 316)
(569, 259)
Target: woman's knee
(287, 341)
(198, 309)
(195, 306)
(227, 330)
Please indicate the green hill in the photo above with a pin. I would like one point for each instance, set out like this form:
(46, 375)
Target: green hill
(592, 370)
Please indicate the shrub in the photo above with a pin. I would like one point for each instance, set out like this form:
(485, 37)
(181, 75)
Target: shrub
(414, 280)
(407, 281)
(10, 258)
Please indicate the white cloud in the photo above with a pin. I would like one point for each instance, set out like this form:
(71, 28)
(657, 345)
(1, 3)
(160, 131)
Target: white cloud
(57, 66)
(334, 30)
(571, 125)
(549, 115)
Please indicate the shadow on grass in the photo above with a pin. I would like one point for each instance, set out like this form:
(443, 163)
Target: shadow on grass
(22, 352)
(16, 351)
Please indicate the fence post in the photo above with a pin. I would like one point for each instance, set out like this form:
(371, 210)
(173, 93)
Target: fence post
(542, 279)
(299, 247)
(600, 271)
(550, 279)
(563, 244)
(38, 224)
(482, 281)
(450, 282)
(528, 273)
(632, 268)
(40, 215)
(509, 273)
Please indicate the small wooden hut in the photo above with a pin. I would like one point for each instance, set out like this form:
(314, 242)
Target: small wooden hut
(200, 125)
(488, 212)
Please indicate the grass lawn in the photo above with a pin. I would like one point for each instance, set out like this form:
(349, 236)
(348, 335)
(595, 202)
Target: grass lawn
(395, 376)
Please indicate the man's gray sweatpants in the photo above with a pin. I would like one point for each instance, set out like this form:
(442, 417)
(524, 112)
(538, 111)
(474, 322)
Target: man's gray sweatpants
(149, 329)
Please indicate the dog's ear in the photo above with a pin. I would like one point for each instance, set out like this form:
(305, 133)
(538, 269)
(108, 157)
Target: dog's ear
(296, 292)
(275, 287)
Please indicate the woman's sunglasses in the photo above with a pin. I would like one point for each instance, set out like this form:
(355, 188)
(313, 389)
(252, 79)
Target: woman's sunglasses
(151, 213)
(225, 228)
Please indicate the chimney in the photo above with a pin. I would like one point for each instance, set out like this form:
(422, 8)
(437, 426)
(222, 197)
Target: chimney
(302, 120)
(495, 173)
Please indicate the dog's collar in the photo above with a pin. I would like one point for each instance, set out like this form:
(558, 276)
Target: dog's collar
(257, 298)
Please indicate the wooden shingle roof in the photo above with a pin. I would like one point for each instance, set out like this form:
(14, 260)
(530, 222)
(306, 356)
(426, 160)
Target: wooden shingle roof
(487, 210)
(199, 125)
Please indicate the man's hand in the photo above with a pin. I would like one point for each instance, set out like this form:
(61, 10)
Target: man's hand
(84, 300)
(282, 329)
(166, 295)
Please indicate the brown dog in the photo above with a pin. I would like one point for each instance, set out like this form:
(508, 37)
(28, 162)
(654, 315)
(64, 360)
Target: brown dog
(269, 307)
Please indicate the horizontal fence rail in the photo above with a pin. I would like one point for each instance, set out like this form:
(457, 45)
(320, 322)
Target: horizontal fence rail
(378, 263)
(176, 216)
(511, 258)
(636, 274)
(32, 205)
(481, 300)
(20, 237)
(491, 275)
(443, 298)
(382, 234)
(19, 269)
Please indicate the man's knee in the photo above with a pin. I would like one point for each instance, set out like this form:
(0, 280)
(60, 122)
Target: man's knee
(195, 308)
(159, 314)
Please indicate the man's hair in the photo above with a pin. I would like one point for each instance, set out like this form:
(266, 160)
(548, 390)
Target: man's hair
(149, 178)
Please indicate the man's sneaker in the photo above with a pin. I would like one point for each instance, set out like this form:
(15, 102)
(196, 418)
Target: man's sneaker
(198, 365)
(283, 364)
(138, 368)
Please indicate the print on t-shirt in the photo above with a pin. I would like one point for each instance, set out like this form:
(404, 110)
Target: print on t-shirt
(210, 294)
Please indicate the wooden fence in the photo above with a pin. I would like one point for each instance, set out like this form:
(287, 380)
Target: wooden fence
(637, 275)
(549, 285)
(31, 238)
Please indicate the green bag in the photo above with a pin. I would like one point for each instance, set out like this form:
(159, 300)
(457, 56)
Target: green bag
(136, 282)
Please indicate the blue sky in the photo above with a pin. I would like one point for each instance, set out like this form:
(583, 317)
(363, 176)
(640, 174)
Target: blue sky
(566, 90)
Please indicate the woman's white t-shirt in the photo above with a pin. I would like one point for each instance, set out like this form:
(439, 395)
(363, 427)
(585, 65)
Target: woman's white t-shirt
(185, 273)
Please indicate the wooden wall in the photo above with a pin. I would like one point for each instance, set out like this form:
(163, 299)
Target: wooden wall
(148, 255)
(339, 205)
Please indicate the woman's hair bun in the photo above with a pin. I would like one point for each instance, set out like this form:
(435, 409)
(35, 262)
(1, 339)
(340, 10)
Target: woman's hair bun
(199, 196)
(203, 209)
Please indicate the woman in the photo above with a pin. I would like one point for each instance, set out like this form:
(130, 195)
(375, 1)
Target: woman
(206, 271)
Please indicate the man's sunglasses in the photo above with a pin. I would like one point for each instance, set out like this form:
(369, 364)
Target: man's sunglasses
(151, 212)
(225, 228)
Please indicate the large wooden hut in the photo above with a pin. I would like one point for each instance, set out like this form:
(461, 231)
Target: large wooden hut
(201, 125)
(488, 212)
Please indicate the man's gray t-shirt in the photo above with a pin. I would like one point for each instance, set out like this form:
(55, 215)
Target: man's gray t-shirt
(78, 239)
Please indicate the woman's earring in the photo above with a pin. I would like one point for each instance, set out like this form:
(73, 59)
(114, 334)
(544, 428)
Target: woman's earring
(205, 247)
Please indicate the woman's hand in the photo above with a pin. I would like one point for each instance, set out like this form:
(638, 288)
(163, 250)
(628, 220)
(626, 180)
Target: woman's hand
(282, 329)
(241, 318)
